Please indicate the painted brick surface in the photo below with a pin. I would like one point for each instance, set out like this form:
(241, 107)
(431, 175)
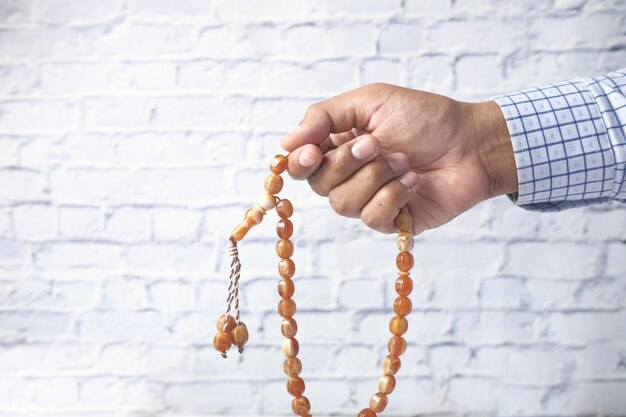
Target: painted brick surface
(133, 135)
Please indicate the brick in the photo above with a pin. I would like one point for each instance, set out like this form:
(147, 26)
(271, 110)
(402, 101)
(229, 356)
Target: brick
(323, 327)
(122, 326)
(198, 112)
(575, 32)
(455, 292)
(172, 296)
(539, 366)
(596, 360)
(550, 260)
(168, 361)
(478, 36)
(584, 327)
(551, 294)
(359, 40)
(428, 7)
(23, 115)
(261, 10)
(35, 325)
(479, 73)
(399, 38)
(503, 293)
(606, 225)
(232, 396)
(303, 41)
(431, 73)
(40, 153)
(472, 394)
(608, 293)
(15, 11)
(14, 254)
(175, 224)
(616, 259)
(494, 327)
(381, 71)
(435, 257)
(589, 397)
(124, 293)
(76, 221)
(141, 40)
(515, 399)
(39, 43)
(223, 42)
(187, 9)
(129, 112)
(448, 359)
(76, 11)
(80, 255)
(35, 222)
(349, 8)
(356, 294)
(20, 79)
(145, 186)
(282, 114)
(169, 257)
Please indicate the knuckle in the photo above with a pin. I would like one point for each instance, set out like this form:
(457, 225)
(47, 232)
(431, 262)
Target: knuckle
(318, 187)
(340, 203)
(371, 219)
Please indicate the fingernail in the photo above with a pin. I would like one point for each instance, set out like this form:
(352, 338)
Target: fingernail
(397, 163)
(306, 158)
(363, 148)
(409, 180)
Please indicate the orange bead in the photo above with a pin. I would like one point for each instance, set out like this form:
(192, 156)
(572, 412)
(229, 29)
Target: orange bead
(284, 248)
(301, 405)
(402, 306)
(240, 335)
(225, 323)
(403, 221)
(396, 345)
(284, 228)
(398, 325)
(391, 364)
(405, 241)
(241, 230)
(295, 386)
(404, 261)
(378, 402)
(284, 208)
(404, 284)
(292, 367)
(273, 184)
(279, 164)
(286, 307)
(286, 288)
(386, 384)
(289, 327)
(286, 268)
(222, 341)
(266, 201)
(255, 215)
(290, 347)
(366, 412)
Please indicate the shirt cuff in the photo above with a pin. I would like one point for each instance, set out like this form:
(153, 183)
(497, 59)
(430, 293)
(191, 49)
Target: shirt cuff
(563, 155)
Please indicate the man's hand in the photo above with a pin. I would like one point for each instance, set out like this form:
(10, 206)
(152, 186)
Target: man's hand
(380, 147)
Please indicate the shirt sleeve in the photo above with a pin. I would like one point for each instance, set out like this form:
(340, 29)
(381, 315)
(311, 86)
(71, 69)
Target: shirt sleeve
(569, 141)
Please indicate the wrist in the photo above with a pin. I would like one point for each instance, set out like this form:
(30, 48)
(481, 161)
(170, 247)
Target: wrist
(494, 149)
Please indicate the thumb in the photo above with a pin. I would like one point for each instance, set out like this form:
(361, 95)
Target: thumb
(341, 113)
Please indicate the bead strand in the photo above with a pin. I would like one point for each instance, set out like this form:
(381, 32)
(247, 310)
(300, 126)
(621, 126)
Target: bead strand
(287, 308)
(398, 325)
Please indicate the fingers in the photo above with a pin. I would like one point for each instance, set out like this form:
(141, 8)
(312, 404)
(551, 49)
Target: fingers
(349, 197)
(341, 163)
(337, 114)
(304, 161)
(380, 212)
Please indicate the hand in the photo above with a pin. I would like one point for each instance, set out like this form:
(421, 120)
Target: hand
(395, 147)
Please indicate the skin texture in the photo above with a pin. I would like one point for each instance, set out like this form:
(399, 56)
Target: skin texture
(377, 148)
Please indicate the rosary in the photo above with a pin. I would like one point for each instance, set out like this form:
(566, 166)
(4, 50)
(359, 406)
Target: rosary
(233, 332)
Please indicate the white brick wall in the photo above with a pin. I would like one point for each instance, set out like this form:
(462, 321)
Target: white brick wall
(133, 135)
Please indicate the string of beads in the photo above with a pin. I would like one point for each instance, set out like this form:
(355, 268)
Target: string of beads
(231, 331)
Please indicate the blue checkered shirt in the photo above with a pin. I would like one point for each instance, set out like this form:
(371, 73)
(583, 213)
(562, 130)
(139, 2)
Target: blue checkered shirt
(569, 141)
